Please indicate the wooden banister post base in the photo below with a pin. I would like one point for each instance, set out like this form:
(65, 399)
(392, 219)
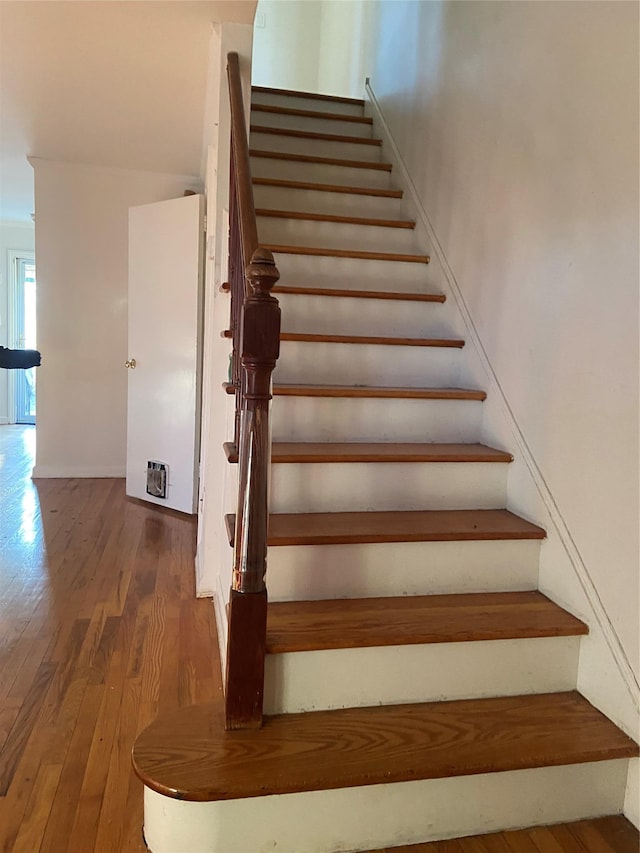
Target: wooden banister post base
(245, 659)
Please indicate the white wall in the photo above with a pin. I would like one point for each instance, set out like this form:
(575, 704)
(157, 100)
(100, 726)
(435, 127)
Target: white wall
(518, 123)
(81, 249)
(309, 45)
(13, 235)
(286, 49)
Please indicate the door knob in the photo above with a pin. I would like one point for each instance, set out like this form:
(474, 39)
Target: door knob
(130, 362)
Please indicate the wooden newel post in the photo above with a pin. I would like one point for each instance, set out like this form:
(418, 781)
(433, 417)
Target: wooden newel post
(259, 350)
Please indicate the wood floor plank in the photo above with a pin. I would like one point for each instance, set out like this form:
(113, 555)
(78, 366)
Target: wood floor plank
(79, 575)
(615, 835)
(188, 754)
(297, 626)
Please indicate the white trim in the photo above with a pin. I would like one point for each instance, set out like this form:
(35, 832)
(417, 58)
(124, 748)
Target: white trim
(568, 542)
(66, 472)
(221, 625)
(4, 421)
(13, 255)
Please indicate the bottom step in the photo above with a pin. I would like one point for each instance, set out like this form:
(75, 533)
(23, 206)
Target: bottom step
(363, 818)
(357, 779)
(613, 834)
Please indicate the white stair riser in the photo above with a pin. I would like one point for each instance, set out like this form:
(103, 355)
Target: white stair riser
(372, 419)
(314, 572)
(366, 364)
(319, 173)
(315, 147)
(355, 273)
(315, 201)
(347, 316)
(336, 235)
(299, 102)
(316, 125)
(392, 675)
(355, 487)
(368, 817)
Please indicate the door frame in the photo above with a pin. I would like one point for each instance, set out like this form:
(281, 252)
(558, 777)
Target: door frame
(14, 255)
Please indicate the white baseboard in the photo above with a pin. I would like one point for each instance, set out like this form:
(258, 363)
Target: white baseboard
(4, 421)
(221, 625)
(49, 472)
(497, 392)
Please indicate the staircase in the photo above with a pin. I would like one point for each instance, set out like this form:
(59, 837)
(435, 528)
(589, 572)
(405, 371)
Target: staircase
(417, 685)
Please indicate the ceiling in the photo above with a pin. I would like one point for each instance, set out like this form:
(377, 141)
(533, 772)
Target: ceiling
(117, 83)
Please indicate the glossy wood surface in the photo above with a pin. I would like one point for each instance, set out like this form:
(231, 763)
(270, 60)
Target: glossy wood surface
(390, 393)
(407, 224)
(288, 111)
(342, 528)
(613, 834)
(391, 295)
(286, 451)
(256, 345)
(314, 96)
(327, 188)
(189, 752)
(99, 632)
(327, 161)
(300, 626)
(400, 257)
(378, 340)
(310, 134)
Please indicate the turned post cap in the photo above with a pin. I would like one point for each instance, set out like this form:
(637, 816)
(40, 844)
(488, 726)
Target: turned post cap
(262, 272)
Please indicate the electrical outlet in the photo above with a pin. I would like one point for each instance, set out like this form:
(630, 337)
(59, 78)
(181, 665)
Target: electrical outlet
(261, 20)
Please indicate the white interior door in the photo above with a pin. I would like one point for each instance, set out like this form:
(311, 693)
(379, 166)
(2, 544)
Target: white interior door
(165, 295)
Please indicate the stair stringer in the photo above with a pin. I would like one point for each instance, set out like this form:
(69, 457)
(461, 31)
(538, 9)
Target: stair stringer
(605, 676)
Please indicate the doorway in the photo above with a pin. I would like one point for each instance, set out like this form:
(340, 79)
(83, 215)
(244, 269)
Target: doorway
(22, 335)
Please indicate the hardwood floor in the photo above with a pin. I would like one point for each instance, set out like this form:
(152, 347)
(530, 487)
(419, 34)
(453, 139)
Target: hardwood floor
(99, 631)
(603, 835)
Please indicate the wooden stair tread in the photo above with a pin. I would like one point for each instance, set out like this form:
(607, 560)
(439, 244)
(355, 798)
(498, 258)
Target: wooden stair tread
(290, 390)
(302, 626)
(376, 340)
(187, 754)
(343, 528)
(611, 834)
(377, 452)
(360, 294)
(327, 161)
(326, 188)
(290, 111)
(390, 393)
(314, 96)
(348, 253)
(310, 134)
(409, 224)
